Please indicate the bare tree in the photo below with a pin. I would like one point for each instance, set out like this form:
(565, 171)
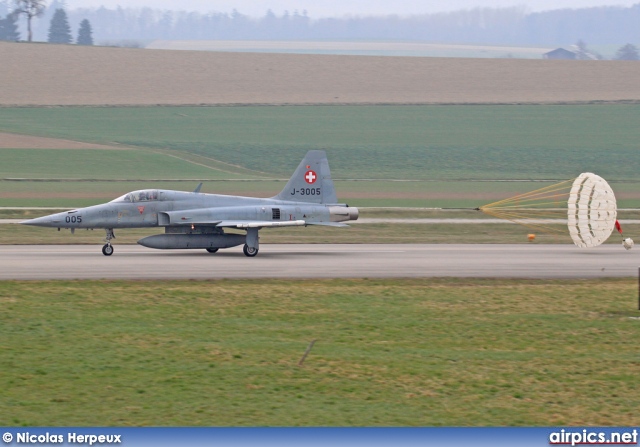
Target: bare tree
(31, 9)
(585, 54)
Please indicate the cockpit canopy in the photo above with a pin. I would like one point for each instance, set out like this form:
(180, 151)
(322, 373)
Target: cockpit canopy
(145, 195)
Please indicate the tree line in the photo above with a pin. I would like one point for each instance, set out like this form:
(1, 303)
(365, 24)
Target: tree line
(59, 28)
(500, 26)
(510, 26)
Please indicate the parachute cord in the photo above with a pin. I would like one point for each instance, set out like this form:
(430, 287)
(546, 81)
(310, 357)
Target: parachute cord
(525, 220)
(541, 193)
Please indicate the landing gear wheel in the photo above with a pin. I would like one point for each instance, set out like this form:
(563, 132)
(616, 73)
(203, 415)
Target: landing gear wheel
(212, 250)
(107, 249)
(250, 251)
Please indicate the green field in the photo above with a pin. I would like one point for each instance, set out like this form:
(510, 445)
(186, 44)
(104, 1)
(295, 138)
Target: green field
(101, 164)
(388, 353)
(445, 148)
(401, 142)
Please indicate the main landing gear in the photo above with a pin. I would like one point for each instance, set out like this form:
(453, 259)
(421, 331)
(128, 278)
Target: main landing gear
(249, 251)
(107, 249)
(252, 242)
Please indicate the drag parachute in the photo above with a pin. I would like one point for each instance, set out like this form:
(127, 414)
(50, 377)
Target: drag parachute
(591, 210)
(587, 204)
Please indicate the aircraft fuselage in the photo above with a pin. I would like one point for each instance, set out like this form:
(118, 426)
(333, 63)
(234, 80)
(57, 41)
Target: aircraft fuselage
(172, 208)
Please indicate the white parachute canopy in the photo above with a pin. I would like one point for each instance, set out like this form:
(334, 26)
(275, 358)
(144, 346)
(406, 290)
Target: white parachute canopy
(592, 210)
(586, 204)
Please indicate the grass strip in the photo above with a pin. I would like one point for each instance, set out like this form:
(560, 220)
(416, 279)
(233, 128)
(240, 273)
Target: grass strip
(419, 352)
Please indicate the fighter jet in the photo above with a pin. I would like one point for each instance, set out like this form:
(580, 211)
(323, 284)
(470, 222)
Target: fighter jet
(195, 220)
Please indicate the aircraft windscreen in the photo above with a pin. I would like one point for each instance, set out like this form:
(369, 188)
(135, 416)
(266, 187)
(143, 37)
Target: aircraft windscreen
(147, 195)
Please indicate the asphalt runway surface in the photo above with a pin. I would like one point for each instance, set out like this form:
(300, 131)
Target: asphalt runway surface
(319, 261)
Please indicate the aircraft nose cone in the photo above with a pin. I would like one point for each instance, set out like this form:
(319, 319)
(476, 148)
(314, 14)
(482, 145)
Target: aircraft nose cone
(46, 221)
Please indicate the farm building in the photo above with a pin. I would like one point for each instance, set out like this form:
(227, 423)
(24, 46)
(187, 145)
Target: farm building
(559, 53)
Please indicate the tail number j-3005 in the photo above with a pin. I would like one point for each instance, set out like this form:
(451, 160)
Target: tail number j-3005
(73, 219)
(306, 191)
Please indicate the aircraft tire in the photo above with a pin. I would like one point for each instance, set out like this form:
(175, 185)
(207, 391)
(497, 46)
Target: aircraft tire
(249, 251)
(212, 250)
(107, 249)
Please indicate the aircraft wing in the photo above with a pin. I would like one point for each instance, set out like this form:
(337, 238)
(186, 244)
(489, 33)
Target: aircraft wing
(257, 223)
(329, 224)
(260, 223)
(183, 218)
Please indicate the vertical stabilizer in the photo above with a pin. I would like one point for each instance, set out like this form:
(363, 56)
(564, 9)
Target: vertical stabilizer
(311, 182)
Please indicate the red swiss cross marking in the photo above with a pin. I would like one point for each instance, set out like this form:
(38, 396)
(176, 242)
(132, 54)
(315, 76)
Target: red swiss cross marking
(310, 177)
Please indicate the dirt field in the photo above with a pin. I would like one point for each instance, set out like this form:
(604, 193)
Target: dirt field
(14, 141)
(49, 75)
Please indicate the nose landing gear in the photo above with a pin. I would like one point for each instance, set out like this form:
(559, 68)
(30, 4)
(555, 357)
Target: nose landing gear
(107, 249)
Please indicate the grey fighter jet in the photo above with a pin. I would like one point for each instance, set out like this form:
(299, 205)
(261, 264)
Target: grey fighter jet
(198, 220)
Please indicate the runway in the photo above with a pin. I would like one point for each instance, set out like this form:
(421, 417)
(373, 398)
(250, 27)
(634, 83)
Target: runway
(319, 261)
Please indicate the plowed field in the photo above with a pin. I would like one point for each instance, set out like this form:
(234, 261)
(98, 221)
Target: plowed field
(49, 75)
